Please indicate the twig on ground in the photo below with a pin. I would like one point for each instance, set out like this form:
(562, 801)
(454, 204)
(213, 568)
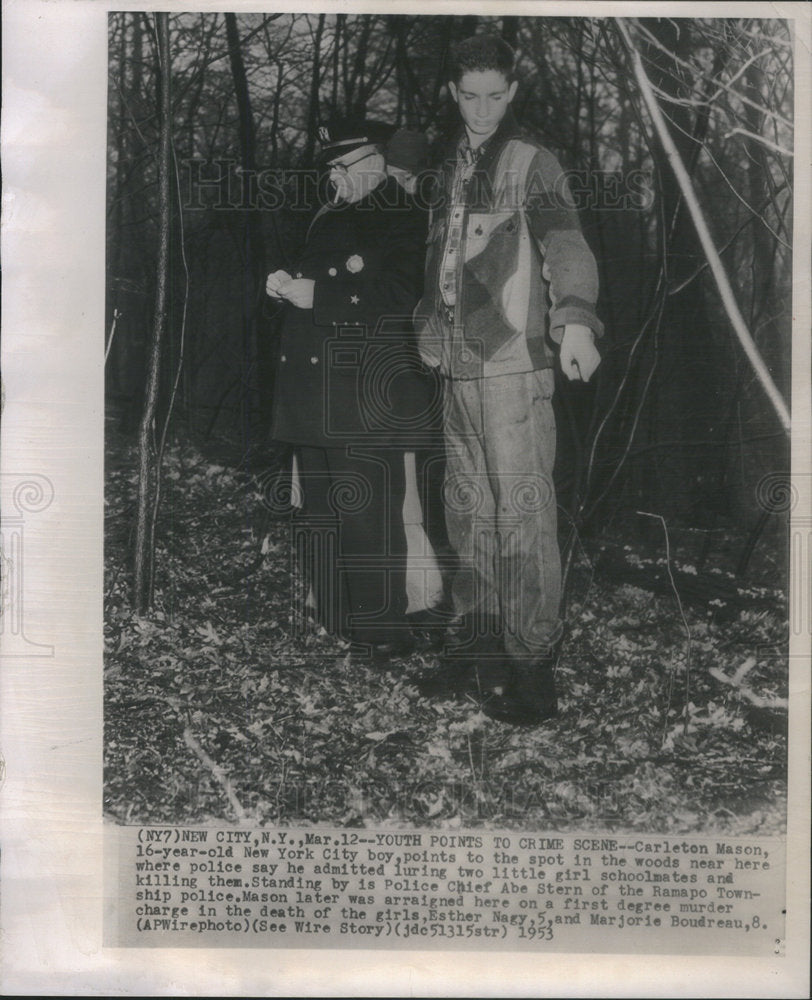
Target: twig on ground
(217, 772)
(661, 519)
(575, 537)
(778, 704)
(471, 759)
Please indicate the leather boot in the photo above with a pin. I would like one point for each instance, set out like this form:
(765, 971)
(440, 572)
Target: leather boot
(381, 654)
(471, 663)
(460, 677)
(530, 697)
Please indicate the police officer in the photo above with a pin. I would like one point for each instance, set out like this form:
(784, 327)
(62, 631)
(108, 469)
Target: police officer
(349, 395)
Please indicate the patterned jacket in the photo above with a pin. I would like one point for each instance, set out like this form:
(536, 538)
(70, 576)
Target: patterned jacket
(523, 269)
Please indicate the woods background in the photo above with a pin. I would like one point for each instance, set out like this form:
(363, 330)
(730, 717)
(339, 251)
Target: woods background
(674, 677)
(676, 422)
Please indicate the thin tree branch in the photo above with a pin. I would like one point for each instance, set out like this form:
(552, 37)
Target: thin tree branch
(703, 267)
(759, 138)
(144, 555)
(661, 519)
(722, 282)
(690, 66)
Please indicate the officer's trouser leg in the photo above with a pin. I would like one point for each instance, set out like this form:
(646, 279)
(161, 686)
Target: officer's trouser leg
(372, 561)
(316, 540)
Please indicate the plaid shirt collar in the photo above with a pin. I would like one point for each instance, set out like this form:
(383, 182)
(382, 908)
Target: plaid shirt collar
(508, 128)
(468, 155)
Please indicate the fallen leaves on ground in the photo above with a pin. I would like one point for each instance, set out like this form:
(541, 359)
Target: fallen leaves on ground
(290, 730)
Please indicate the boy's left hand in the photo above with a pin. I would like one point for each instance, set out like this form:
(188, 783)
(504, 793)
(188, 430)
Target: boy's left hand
(579, 356)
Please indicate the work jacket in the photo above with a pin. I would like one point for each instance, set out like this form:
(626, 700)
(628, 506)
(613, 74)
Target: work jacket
(523, 268)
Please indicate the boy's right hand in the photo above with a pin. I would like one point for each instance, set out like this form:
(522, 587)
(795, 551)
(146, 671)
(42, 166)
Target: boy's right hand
(274, 282)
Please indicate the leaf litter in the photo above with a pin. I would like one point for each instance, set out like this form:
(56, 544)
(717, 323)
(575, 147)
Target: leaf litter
(224, 704)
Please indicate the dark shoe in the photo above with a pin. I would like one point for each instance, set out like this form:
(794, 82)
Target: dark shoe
(447, 681)
(381, 653)
(530, 697)
(428, 638)
(463, 677)
(428, 628)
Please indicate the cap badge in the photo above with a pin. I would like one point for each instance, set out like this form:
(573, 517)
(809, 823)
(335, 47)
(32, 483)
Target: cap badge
(355, 264)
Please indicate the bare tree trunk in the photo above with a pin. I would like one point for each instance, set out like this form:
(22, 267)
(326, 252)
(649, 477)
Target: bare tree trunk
(510, 30)
(579, 91)
(356, 96)
(255, 345)
(336, 63)
(247, 140)
(437, 112)
(758, 175)
(406, 97)
(116, 268)
(129, 361)
(688, 386)
(313, 105)
(468, 25)
(277, 103)
(145, 521)
(209, 28)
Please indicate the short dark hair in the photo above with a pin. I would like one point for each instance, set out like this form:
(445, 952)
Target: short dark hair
(481, 53)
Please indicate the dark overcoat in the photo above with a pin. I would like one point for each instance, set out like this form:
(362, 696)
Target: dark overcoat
(348, 368)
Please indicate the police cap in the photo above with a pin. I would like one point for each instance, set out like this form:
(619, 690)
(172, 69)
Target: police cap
(343, 135)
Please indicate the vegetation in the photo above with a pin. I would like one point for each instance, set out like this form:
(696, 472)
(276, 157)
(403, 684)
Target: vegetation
(672, 477)
(223, 705)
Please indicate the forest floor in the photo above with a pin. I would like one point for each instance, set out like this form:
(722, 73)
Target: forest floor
(220, 707)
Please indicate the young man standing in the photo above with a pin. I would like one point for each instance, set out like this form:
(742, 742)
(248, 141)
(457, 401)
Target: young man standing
(510, 283)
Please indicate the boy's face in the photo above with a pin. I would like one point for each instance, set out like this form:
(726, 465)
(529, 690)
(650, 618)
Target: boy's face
(483, 97)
